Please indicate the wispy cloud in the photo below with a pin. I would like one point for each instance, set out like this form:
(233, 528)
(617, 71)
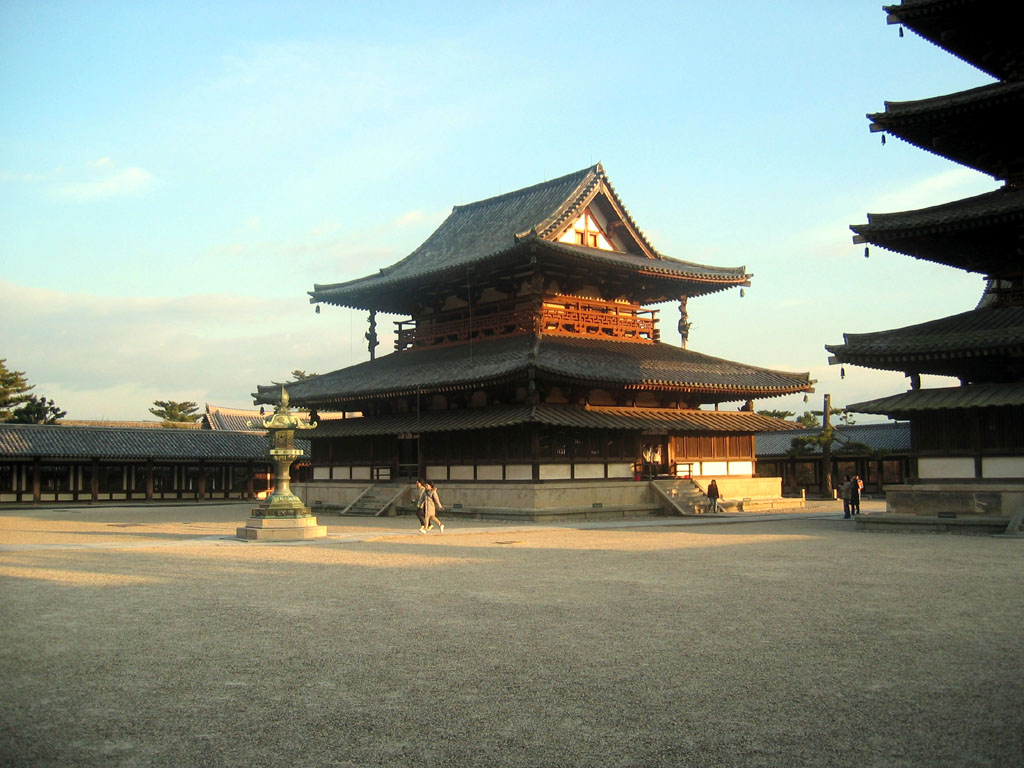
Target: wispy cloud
(101, 357)
(940, 188)
(112, 183)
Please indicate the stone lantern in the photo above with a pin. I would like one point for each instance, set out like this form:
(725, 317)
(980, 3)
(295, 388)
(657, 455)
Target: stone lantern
(282, 516)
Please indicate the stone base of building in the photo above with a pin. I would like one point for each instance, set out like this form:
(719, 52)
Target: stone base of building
(975, 524)
(281, 529)
(984, 507)
(566, 499)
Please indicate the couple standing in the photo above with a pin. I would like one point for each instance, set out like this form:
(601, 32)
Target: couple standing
(427, 506)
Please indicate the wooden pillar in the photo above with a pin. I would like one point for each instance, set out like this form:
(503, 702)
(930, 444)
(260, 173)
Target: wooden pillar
(149, 480)
(535, 453)
(37, 471)
(202, 479)
(95, 484)
(249, 492)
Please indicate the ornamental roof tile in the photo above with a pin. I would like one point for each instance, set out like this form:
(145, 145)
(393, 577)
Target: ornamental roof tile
(945, 398)
(52, 441)
(551, 415)
(982, 332)
(467, 365)
(894, 438)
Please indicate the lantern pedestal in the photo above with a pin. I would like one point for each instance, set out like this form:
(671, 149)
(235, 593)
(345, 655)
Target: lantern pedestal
(283, 516)
(281, 529)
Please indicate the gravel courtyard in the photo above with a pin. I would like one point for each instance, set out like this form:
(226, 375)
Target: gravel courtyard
(134, 636)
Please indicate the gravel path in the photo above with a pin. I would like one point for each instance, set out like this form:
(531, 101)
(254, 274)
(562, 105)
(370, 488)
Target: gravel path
(134, 636)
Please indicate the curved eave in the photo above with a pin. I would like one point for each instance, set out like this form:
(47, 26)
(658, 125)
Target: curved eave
(976, 234)
(918, 401)
(372, 292)
(978, 128)
(984, 35)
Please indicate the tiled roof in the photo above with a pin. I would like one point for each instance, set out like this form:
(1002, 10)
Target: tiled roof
(133, 424)
(894, 438)
(979, 234)
(219, 418)
(552, 415)
(616, 363)
(978, 128)
(986, 35)
(52, 441)
(484, 230)
(945, 398)
(983, 332)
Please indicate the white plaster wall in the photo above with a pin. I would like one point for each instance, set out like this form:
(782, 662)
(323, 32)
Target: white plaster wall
(554, 471)
(321, 473)
(1002, 466)
(714, 468)
(518, 472)
(360, 473)
(620, 470)
(946, 467)
(741, 467)
(459, 472)
(588, 471)
(437, 472)
(488, 472)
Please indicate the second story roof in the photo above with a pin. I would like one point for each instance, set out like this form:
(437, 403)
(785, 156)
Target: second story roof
(524, 225)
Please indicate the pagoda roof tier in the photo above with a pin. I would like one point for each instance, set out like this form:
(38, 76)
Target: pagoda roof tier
(984, 34)
(978, 128)
(977, 234)
(553, 415)
(497, 239)
(976, 344)
(558, 359)
(918, 401)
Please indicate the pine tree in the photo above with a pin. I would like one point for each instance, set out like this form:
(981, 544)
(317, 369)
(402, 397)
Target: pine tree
(37, 410)
(174, 411)
(13, 389)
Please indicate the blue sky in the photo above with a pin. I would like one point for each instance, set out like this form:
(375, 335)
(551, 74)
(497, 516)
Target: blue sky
(175, 176)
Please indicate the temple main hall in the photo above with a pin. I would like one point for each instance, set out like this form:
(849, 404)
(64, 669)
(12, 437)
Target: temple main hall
(529, 368)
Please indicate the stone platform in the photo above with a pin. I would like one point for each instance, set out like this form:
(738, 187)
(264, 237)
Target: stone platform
(260, 528)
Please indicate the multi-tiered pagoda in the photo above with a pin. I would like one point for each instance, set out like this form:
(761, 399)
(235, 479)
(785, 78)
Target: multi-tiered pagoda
(529, 355)
(968, 440)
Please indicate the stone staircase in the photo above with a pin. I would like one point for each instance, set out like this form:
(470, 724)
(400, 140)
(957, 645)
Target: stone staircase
(376, 500)
(679, 497)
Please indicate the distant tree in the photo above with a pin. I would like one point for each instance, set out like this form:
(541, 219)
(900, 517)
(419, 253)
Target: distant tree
(299, 375)
(174, 411)
(777, 414)
(808, 420)
(846, 419)
(37, 410)
(13, 389)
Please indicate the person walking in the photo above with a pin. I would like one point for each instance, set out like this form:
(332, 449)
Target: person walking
(713, 496)
(844, 491)
(431, 506)
(421, 494)
(855, 487)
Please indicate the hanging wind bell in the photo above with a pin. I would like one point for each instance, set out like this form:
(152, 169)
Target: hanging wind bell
(901, 31)
(842, 373)
(866, 254)
(883, 139)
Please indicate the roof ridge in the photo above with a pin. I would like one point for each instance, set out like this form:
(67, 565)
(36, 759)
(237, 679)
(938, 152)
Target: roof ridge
(582, 173)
